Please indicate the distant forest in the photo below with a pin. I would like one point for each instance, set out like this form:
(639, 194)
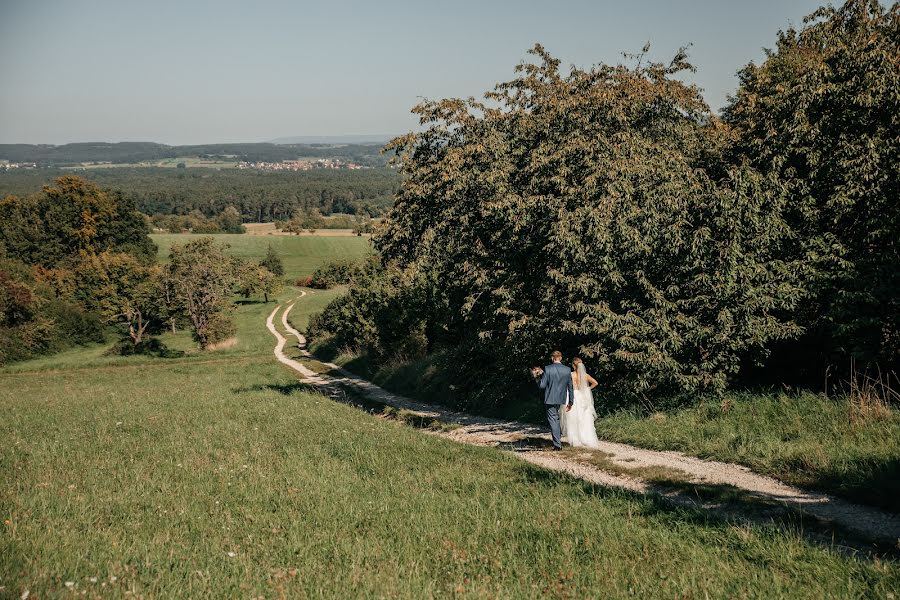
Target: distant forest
(258, 196)
(45, 155)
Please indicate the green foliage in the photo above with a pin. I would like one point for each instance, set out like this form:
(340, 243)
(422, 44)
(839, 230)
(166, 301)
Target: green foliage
(35, 320)
(255, 280)
(258, 196)
(202, 277)
(339, 272)
(230, 220)
(71, 216)
(272, 262)
(23, 330)
(821, 114)
(590, 211)
(120, 289)
(382, 315)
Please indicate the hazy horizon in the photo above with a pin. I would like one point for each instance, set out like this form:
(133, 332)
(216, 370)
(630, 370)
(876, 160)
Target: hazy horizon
(229, 72)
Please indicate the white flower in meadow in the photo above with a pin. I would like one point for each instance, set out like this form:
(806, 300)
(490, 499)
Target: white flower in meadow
(231, 555)
(70, 584)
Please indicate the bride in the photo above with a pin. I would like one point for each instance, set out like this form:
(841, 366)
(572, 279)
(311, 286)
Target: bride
(578, 422)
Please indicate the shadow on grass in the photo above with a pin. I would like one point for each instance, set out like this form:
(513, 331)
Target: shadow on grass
(285, 389)
(872, 481)
(151, 346)
(724, 507)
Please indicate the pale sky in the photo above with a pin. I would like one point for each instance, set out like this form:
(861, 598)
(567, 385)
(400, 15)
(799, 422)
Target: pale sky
(193, 72)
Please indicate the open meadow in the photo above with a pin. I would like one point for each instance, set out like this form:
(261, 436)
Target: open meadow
(301, 255)
(221, 475)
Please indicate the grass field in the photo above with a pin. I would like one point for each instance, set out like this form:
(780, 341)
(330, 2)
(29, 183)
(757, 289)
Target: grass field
(301, 255)
(805, 439)
(218, 475)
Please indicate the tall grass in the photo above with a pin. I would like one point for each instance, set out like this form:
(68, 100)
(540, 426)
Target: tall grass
(830, 444)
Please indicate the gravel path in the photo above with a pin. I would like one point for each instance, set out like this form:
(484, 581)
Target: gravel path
(619, 465)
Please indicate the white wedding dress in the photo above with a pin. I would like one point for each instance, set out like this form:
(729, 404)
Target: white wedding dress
(578, 423)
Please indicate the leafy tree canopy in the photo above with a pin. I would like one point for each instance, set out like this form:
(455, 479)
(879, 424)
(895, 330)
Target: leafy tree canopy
(593, 211)
(72, 216)
(822, 114)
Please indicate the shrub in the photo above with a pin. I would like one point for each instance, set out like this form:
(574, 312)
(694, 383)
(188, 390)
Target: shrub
(334, 273)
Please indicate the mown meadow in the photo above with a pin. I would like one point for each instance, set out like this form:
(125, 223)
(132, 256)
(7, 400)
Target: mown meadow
(832, 444)
(301, 255)
(218, 474)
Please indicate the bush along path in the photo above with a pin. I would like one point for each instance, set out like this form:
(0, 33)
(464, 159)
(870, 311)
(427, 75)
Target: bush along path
(728, 490)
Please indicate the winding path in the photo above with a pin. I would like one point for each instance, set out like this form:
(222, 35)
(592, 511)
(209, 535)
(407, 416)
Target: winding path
(760, 498)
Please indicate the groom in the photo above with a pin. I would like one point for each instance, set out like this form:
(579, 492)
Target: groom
(556, 381)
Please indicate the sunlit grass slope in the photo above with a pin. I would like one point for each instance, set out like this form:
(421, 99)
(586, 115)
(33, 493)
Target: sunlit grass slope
(301, 255)
(189, 478)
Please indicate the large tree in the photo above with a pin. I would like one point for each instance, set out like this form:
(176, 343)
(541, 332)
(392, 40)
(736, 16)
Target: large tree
(202, 278)
(592, 210)
(72, 216)
(272, 262)
(121, 289)
(822, 114)
(256, 279)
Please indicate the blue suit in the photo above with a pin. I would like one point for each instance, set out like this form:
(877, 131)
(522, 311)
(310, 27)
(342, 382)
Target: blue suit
(558, 390)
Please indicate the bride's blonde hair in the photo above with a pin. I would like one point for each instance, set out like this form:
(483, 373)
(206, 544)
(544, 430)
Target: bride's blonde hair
(575, 362)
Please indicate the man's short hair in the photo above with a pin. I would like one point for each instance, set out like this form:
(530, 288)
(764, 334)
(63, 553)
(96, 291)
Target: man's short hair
(556, 355)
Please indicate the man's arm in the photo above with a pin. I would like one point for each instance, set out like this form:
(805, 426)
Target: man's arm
(544, 380)
(570, 393)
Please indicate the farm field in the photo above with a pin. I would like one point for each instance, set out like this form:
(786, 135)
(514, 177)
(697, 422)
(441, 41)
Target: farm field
(219, 475)
(270, 229)
(301, 255)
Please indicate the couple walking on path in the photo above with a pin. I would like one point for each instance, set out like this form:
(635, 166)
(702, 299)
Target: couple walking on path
(569, 388)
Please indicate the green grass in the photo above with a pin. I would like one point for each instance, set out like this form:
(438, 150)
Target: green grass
(301, 255)
(805, 439)
(254, 342)
(191, 478)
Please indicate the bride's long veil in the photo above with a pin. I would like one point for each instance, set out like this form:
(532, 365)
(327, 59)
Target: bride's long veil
(586, 400)
(582, 377)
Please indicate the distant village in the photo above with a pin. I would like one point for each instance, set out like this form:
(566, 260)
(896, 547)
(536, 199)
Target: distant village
(300, 165)
(8, 166)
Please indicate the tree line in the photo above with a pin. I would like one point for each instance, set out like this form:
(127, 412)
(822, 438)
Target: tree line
(610, 213)
(47, 155)
(257, 196)
(76, 261)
